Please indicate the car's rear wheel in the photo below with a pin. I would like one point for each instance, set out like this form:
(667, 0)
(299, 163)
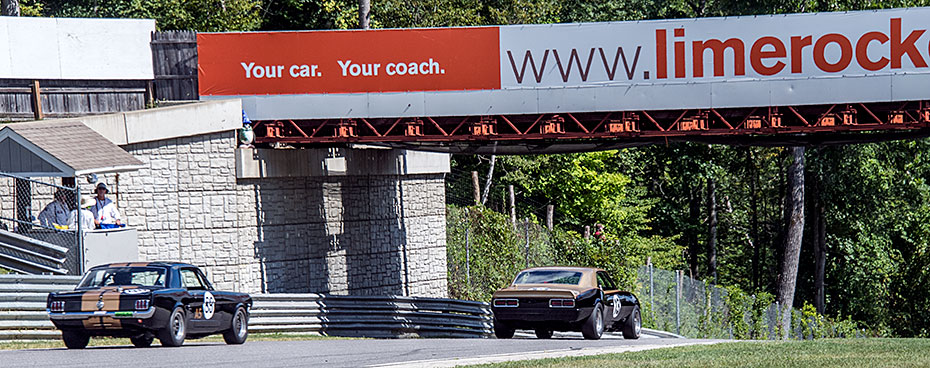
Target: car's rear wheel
(633, 326)
(143, 341)
(593, 327)
(502, 330)
(174, 333)
(542, 333)
(239, 329)
(75, 339)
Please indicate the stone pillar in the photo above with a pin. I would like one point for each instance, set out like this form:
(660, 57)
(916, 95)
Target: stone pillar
(353, 221)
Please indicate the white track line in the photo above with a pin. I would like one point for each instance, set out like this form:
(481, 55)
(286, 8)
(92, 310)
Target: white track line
(560, 353)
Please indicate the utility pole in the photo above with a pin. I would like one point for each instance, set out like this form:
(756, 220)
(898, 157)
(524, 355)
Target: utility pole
(10, 8)
(364, 16)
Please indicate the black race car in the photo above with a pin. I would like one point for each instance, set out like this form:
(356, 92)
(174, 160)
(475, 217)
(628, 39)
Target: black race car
(547, 299)
(144, 300)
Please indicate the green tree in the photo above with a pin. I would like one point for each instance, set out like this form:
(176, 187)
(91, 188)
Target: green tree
(198, 15)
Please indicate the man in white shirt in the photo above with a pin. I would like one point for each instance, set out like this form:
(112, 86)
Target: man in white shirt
(87, 217)
(104, 210)
(56, 212)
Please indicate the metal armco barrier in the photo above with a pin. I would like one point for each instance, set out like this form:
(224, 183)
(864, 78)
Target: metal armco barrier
(370, 316)
(23, 315)
(22, 305)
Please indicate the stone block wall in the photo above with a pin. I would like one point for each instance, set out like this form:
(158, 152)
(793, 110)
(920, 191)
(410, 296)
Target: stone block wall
(359, 234)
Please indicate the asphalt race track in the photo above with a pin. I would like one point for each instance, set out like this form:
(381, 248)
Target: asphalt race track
(331, 353)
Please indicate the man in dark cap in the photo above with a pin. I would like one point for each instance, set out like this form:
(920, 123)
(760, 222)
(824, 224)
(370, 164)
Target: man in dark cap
(105, 213)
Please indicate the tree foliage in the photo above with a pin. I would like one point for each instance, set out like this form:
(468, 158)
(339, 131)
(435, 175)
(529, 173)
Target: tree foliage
(199, 15)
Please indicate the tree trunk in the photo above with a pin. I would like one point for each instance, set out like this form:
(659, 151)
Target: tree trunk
(712, 230)
(694, 215)
(550, 215)
(364, 14)
(819, 227)
(10, 8)
(476, 186)
(788, 275)
(487, 182)
(512, 204)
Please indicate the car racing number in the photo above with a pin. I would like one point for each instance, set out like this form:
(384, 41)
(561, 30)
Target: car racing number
(208, 308)
(209, 305)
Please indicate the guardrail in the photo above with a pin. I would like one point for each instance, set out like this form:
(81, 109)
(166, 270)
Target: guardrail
(370, 316)
(22, 305)
(23, 315)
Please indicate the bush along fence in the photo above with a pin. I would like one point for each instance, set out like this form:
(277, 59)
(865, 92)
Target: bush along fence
(674, 302)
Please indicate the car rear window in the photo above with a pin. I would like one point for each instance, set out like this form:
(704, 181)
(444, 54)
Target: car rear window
(124, 276)
(548, 277)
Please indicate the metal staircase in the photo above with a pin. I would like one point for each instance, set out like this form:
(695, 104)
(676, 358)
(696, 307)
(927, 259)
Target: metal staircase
(31, 256)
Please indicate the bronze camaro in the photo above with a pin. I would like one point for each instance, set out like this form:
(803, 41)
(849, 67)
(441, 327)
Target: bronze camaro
(547, 299)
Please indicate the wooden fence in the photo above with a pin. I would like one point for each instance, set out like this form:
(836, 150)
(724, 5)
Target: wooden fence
(174, 56)
(22, 99)
(175, 61)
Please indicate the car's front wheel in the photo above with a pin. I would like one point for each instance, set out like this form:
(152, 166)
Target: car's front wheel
(502, 330)
(633, 325)
(75, 339)
(593, 327)
(143, 341)
(239, 329)
(174, 333)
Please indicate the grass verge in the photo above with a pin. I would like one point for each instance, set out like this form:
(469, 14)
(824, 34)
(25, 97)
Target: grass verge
(841, 353)
(109, 341)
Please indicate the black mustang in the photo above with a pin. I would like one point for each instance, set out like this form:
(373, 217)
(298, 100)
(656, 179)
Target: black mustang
(144, 300)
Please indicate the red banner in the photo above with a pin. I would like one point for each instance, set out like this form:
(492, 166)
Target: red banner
(310, 62)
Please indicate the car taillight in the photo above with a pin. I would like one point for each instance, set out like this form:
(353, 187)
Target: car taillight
(142, 304)
(57, 306)
(561, 303)
(506, 302)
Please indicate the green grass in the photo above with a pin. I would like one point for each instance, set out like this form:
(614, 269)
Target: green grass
(858, 353)
(108, 341)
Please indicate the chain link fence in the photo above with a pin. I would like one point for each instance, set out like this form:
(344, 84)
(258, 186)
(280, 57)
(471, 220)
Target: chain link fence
(485, 250)
(674, 302)
(488, 244)
(34, 225)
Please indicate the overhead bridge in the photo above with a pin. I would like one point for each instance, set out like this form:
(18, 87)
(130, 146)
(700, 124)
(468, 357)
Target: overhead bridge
(586, 131)
(826, 78)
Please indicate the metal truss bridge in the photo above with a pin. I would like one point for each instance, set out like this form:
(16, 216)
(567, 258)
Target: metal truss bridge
(588, 131)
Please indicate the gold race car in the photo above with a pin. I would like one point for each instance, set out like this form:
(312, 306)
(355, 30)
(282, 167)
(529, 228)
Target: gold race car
(547, 299)
(144, 300)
